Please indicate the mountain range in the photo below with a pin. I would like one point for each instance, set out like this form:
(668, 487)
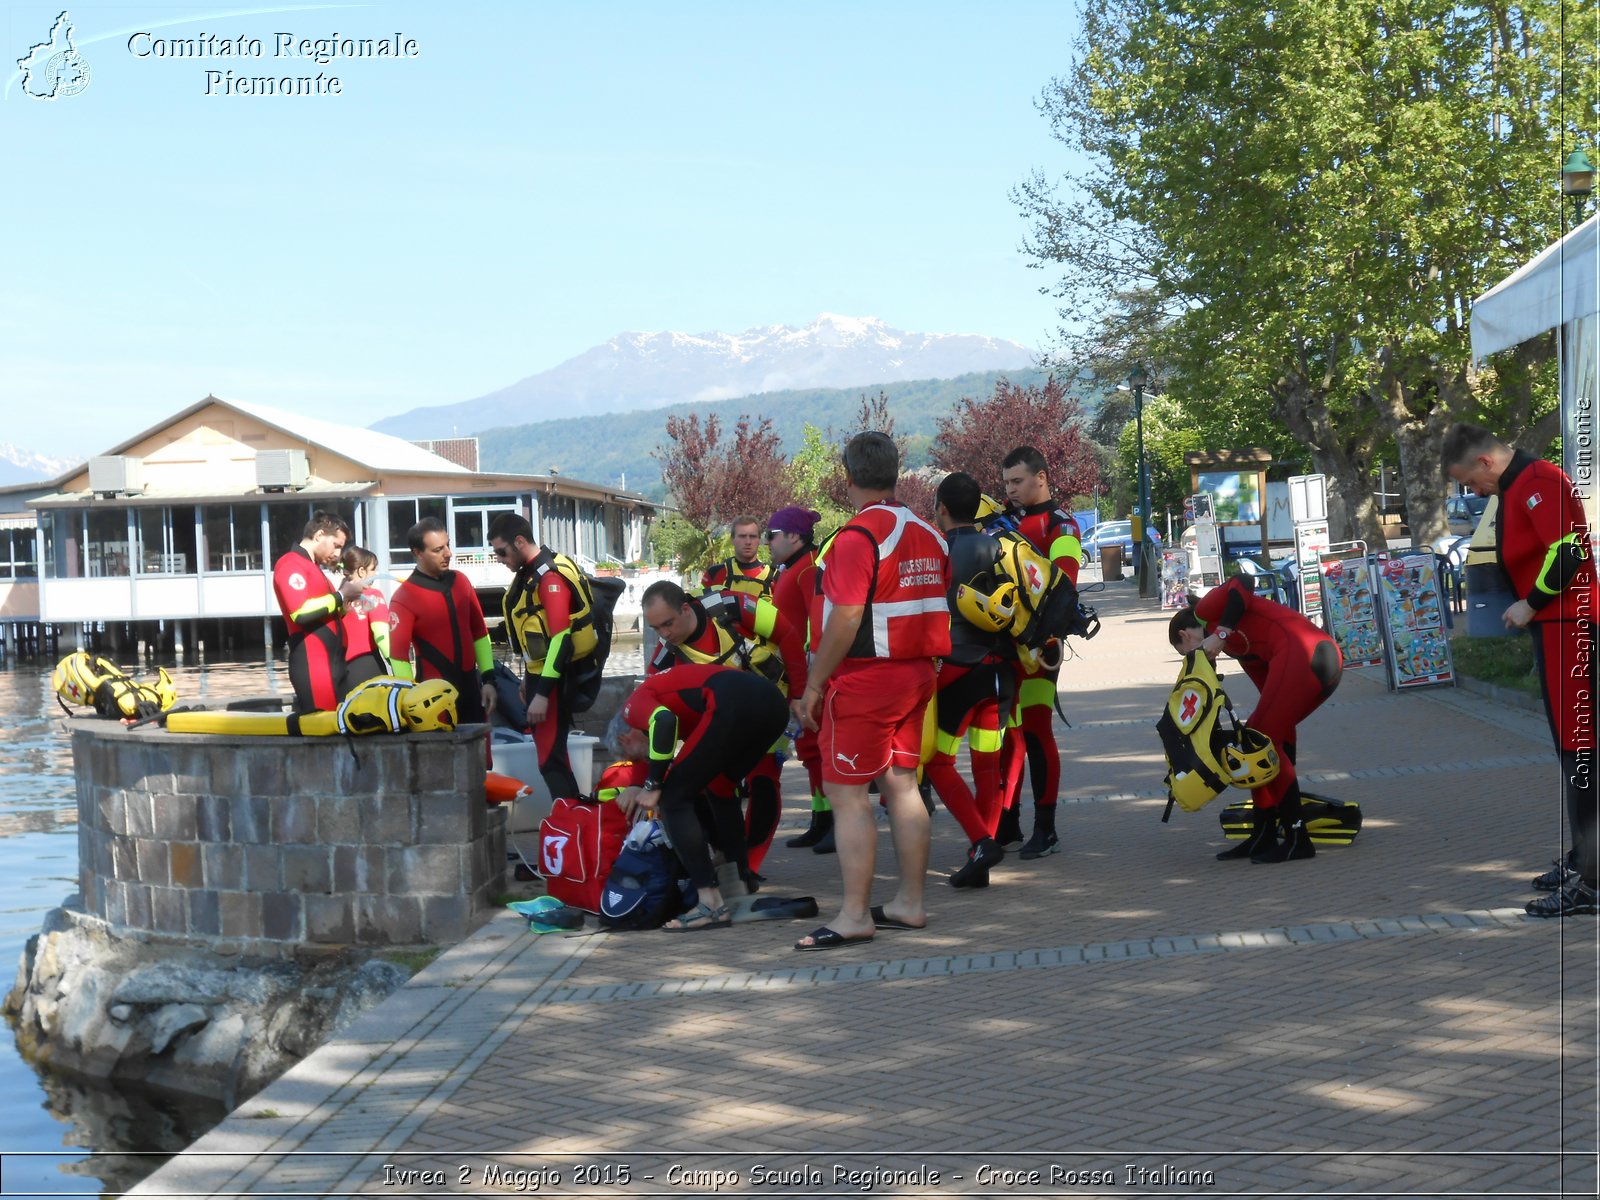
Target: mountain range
(24, 466)
(616, 449)
(636, 371)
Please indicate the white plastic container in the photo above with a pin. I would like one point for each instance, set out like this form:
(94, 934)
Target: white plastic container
(520, 760)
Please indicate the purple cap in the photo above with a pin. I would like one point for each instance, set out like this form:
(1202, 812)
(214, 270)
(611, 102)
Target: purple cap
(795, 519)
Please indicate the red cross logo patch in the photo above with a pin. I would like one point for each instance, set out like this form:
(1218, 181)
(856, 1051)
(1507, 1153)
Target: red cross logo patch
(1188, 707)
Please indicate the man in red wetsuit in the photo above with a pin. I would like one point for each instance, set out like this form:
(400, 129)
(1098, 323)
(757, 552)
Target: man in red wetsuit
(313, 611)
(726, 719)
(1031, 740)
(1542, 541)
(437, 614)
(884, 623)
(744, 572)
(1295, 666)
(790, 542)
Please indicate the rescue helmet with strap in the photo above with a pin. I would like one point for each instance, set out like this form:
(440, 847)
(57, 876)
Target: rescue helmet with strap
(1252, 761)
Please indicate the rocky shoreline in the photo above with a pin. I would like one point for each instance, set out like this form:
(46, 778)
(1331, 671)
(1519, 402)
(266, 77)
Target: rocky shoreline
(101, 1004)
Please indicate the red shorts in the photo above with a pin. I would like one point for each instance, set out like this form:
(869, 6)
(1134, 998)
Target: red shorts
(872, 718)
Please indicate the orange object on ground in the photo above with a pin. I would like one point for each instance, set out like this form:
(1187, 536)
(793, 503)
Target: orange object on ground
(502, 789)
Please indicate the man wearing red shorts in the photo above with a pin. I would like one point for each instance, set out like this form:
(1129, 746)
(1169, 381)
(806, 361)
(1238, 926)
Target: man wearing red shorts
(790, 542)
(882, 579)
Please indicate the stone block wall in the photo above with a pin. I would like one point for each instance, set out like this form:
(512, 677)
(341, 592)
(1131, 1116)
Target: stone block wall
(290, 841)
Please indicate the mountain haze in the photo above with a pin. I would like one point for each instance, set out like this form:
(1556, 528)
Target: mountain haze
(616, 448)
(636, 371)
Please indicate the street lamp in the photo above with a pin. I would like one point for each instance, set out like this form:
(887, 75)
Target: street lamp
(1137, 378)
(1577, 181)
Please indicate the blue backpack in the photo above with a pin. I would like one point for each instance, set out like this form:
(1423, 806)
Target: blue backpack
(646, 886)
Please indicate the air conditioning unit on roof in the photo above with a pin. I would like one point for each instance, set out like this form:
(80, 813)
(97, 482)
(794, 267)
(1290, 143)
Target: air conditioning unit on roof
(280, 470)
(116, 475)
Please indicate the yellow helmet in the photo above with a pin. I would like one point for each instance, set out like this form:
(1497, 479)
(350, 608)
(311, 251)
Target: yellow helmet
(431, 704)
(988, 507)
(1252, 761)
(992, 612)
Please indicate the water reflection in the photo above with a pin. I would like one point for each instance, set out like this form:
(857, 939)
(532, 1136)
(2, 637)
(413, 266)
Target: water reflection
(92, 1139)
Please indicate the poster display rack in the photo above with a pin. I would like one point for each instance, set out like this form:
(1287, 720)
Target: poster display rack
(1386, 610)
(1412, 611)
(1349, 604)
(1174, 578)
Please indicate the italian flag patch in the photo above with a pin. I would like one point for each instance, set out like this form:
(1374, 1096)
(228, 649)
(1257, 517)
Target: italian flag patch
(1533, 500)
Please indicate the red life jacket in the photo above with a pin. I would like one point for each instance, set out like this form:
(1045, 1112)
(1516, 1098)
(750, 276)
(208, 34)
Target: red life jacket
(906, 615)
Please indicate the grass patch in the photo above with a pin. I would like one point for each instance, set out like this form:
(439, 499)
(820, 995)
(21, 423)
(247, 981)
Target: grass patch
(1504, 661)
(265, 1114)
(411, 960)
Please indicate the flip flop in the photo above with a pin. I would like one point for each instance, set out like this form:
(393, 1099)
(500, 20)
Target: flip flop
(882, 920)
(824, 938)
(713, 918)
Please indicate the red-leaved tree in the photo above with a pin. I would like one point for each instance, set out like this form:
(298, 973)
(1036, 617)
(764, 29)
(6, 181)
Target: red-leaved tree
(980, 433)
(712, 480)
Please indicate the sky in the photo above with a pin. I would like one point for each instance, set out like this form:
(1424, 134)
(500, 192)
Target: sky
(536, 179)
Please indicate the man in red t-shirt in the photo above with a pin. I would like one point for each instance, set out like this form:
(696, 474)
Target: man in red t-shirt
(1542, 541)
(882, 579)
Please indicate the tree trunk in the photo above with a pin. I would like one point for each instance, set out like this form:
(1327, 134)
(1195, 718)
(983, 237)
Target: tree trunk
(1347, 463)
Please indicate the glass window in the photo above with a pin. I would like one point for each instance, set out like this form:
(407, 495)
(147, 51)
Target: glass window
(403, 514)
(180, 539)
(469, 530)
(63, 543)
(232, 537)
(16, 554)
(286, 525)
(107, 542)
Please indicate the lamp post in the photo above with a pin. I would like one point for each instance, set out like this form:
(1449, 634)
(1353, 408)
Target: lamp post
(1577, 181)
(1137, 378)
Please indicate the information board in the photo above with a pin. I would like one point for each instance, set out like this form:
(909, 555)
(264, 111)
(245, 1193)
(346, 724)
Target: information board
(1310, 543)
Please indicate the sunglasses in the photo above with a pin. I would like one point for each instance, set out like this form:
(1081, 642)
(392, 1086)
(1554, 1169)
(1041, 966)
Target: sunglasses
(772, 533)
(500, 551)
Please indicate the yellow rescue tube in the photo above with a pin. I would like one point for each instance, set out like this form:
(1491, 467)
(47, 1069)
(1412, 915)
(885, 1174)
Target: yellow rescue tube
(317, 724)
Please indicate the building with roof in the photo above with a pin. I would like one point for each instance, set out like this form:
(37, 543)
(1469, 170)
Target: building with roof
(182, 522)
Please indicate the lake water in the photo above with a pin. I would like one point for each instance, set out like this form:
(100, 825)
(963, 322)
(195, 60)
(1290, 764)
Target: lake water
(66, 1136)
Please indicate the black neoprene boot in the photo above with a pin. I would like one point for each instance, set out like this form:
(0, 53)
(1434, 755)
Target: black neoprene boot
(1044, 840)
(1009, 832)
(1263, 833)
(821, 825)
(1296, 842)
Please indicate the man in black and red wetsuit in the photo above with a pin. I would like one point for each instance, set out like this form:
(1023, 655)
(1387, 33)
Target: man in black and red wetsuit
(1542, 541)
(436, 613)
(727, 720)
(744, 572)
(725, 629)
(1295, 666)
(1031, 739)
(975, 687)
(313, 611)
(791, 534)
(545, 618)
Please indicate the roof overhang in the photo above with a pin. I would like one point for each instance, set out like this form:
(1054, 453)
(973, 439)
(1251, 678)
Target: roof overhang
(1560, 285)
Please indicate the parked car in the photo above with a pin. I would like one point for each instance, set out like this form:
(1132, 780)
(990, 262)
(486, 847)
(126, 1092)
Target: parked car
(1462, 513)
(1112, 533)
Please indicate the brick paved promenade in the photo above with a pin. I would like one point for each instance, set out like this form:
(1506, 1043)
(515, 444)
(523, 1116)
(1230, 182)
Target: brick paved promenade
(1381, 1020)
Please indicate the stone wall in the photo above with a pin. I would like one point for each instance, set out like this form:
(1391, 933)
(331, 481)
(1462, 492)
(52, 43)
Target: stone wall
(262, 841)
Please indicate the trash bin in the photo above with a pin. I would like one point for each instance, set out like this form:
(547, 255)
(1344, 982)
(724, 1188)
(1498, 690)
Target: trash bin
(1488, 596)
(1110, 562)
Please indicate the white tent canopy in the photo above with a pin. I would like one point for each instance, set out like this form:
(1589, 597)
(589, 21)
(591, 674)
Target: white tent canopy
(1560, 286)
(1558, 290)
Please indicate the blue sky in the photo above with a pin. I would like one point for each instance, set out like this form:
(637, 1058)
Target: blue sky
(538, 179)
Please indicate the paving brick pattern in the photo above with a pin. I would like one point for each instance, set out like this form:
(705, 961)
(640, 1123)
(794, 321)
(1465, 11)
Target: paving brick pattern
(1380, 1020)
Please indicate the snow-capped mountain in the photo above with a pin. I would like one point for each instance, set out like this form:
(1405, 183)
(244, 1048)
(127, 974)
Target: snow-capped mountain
(647, 370)
(24, 466)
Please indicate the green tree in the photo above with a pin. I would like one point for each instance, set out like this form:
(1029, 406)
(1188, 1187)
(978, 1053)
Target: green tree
(1293, 207)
